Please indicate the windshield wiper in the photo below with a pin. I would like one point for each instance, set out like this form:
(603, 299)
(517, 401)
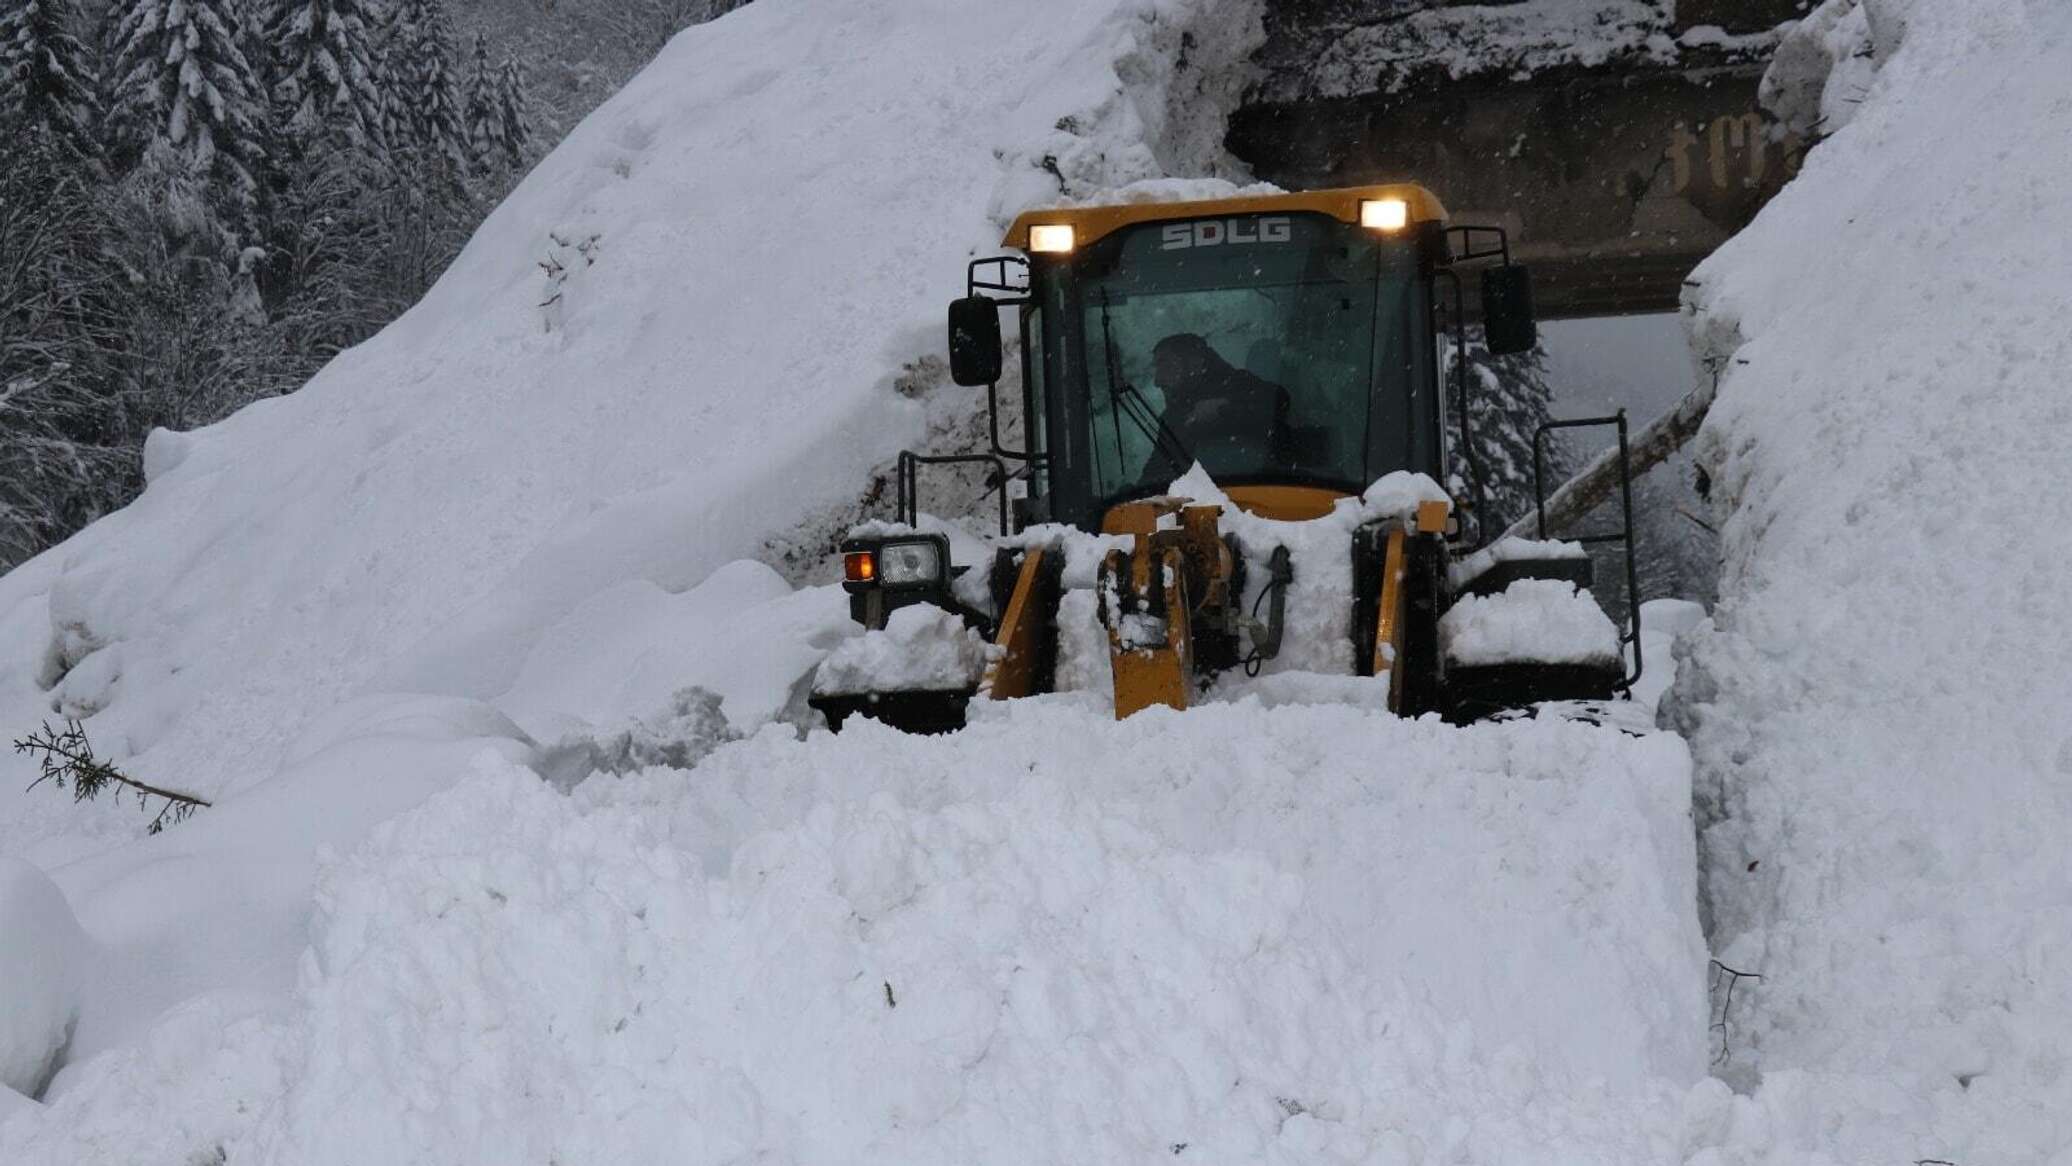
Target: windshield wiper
(1124, 399)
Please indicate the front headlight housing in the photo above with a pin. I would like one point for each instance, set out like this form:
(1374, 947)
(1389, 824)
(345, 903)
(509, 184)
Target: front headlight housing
(911, 562)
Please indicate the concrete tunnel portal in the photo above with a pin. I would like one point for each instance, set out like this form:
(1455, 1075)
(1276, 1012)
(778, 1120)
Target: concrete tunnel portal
(1615, 169)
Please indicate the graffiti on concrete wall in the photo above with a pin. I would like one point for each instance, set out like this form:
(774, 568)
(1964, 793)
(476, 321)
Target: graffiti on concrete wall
(1731, 154)
(1615, 184)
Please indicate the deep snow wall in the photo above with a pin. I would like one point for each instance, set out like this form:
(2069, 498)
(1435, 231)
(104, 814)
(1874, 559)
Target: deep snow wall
(1882, 716)
(677, 338)
(1237, 934)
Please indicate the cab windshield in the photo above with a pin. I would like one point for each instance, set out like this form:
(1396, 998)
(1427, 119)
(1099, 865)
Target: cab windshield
(1253, 344)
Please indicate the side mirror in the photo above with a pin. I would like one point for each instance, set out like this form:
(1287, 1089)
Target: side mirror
(974, 341)
(1507, 320)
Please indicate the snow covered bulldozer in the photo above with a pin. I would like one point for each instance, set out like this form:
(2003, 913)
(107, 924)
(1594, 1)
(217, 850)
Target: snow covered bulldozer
(1234, 432)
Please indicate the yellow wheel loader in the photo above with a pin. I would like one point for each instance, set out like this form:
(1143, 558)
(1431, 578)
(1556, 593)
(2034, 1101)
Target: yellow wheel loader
(1220, 398)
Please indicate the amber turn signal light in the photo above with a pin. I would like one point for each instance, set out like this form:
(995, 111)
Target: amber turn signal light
(859, 566)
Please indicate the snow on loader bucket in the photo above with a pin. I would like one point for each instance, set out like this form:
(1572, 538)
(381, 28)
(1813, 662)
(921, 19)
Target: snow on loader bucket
(1236, 430)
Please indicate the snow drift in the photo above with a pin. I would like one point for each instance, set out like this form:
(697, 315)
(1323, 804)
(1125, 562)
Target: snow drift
(701, 321)
(695, 328)
(1232, 935)
(40, 971)
(1883, 716)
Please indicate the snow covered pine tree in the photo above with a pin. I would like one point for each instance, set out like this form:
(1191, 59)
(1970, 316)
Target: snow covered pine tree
(481, 105)
(513, 122)
(324, 80)
(183, 94)
(425, 110)
(47, 78)
(498, 129)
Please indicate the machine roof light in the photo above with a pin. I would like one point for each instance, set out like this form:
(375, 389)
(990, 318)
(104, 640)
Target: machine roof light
(1384, 214)
(1051, 237)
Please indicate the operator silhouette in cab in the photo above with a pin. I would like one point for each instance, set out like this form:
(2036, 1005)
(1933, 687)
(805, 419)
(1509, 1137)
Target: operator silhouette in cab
(1227, 417)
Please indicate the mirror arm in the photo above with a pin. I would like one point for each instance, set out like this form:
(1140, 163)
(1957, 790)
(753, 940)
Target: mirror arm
(993, 425)
(1501, 251)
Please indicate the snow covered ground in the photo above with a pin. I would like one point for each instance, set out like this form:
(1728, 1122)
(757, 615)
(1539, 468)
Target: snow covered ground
(1298, 934)
(515, 523)
(706, 317)
(391, 622)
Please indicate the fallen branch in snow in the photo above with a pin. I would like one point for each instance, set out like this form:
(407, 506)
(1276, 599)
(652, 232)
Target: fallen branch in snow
(1597, 482)
(1734, 976)
(68, 755)
(1708, 527)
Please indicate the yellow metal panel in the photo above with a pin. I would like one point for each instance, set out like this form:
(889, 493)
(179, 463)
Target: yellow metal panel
(1013, 673)
(1159, 674)
(1146, 677)
(1285, 503)
(1431, 517)
(1390, 615)
(1138, 518)
(1090, 223)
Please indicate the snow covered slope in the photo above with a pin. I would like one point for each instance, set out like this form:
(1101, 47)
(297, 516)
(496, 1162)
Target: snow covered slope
(679, 338)
(1883, 717)
(363, 618)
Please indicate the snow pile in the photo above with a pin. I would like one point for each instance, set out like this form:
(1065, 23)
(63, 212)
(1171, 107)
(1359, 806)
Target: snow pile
(1318, 635)
(1664, 625)
(220, 905)
(41, 965)
(1883, 714)
(921, 647)
(1825, 65)
(1543, 621)
(742, 635)
(752, 246)
(354, 616)
(1238, 932)
(518, 516)
(1511, 550)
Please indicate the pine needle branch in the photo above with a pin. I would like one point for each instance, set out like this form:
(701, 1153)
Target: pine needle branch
(66, 755)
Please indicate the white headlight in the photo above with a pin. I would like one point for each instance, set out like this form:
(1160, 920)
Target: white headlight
(1053, 237)
(1385, 214)
(904, 564)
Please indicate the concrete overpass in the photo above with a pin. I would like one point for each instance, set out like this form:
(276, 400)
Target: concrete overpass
(1615, 175)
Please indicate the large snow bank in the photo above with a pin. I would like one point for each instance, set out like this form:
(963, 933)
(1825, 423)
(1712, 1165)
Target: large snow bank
(535, 490)
(42, 957)
(1239, 934)
(751, 244)
(221, 903)
(1883, 714)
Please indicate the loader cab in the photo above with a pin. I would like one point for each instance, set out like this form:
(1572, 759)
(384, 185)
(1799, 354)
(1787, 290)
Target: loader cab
(1285, 342)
